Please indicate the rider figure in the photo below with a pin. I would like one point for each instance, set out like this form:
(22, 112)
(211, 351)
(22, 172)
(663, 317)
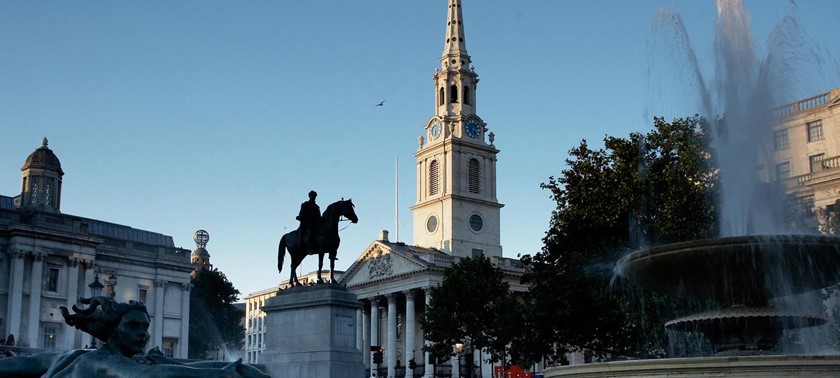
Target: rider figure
(309, 217)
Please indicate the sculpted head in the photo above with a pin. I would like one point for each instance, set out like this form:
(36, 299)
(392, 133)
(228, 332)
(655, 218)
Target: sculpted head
(123, 325)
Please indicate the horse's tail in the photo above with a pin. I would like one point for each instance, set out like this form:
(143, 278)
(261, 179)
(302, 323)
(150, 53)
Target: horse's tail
(281, 251)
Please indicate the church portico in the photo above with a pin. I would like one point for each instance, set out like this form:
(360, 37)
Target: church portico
(394, 326)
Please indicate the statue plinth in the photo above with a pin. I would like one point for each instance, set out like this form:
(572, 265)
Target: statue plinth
(311, 332)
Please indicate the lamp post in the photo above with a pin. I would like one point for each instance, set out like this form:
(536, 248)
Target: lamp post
(112, 281)
(95, 291)
(459, 347)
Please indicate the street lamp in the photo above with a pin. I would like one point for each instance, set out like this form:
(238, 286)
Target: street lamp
(112, 281)
(459, 347)
(95, 291)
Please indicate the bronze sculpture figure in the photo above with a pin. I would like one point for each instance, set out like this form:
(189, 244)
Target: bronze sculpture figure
(123, 327)
(324, 240)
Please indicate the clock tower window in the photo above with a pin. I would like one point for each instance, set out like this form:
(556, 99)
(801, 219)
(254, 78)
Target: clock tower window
(433, 177)
(453, 93)
(473, 171)
(441, 96)
(467, 96)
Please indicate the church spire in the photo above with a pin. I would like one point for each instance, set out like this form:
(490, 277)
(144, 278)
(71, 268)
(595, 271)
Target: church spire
(455, 49)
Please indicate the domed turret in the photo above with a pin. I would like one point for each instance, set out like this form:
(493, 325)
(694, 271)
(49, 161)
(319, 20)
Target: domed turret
(200, 257)
(43, 158)
(41, 180)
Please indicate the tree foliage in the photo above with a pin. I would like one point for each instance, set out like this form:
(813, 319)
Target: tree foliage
(215, 323)
(645, 190)
(473, 305)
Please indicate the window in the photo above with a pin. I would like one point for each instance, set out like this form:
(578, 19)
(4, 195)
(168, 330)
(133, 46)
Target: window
(473, 176)
(441, 96)
(50, 335)
(467, 96)
(815, 131)
(169, 345)
(52, 279)
(453, 93)
(780, 142)
(433, 177)
(477, 252)
(815, 161)
(783, 170)
(142, 294)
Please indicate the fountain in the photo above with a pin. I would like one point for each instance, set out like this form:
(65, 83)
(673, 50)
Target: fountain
(757, 273)
(743, 275)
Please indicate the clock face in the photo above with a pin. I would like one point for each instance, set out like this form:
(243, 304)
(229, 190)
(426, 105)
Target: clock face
(435, 130)
(473, 128)
(431, 224)
(476, 223)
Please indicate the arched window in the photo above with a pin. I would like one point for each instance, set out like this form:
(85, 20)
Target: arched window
(467, 97)
(433, 177)
(441, 96)
(473, 176)
(453, 93)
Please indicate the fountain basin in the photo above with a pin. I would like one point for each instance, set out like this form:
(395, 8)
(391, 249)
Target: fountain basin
(742, 275)
(737, 270)
(741, 366)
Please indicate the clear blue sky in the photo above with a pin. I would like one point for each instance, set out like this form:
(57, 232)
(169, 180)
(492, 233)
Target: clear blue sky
(222, 115)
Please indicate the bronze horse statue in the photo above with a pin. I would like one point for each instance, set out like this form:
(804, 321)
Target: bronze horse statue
(326, 240)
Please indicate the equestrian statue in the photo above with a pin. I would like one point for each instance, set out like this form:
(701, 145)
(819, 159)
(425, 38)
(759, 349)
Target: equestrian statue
(317, 234)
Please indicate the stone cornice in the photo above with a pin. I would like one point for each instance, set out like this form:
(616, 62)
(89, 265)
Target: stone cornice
(16, 231)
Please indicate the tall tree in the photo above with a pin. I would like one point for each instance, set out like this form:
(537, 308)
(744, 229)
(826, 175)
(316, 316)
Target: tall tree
(215, 323)
(473, 305)
(636, 192)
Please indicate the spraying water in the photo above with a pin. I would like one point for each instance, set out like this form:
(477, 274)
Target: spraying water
(739, 98)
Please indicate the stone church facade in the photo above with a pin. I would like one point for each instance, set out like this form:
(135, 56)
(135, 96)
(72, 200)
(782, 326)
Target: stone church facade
(49, 259)
(456, 215)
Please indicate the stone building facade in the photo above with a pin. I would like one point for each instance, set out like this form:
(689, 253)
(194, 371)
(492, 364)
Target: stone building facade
(806, 152)
(49, 259)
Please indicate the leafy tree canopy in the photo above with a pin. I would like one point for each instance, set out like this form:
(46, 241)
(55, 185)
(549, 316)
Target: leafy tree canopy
(473, 305)
(215, 323)
(640, 191)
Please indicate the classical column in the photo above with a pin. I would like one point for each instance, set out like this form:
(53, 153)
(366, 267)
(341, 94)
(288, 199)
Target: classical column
(35, 299)
(360, 339)
(89, 274)
(72, 298)
(158, 337)
(409, 327)
(392, 335)
(456, 364)
(430, 368)
(374, 327)
(15, 294)
(366, 337)
(183, 343)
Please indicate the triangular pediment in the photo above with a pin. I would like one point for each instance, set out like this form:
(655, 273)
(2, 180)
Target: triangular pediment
(384, 260)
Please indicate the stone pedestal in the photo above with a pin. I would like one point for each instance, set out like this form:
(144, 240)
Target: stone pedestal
(311, 332)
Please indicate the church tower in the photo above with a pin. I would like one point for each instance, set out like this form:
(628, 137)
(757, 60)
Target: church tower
(456, 210)
(41, 177)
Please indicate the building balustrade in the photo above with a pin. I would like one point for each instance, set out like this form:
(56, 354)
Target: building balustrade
(801, 105)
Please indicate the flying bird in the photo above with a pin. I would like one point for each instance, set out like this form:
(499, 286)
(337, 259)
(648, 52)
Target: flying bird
(381, 103)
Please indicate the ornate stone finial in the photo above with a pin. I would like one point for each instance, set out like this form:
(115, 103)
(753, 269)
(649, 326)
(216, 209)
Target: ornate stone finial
(201, 238)
(44, 142)
(421, 141)
(492, 137)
